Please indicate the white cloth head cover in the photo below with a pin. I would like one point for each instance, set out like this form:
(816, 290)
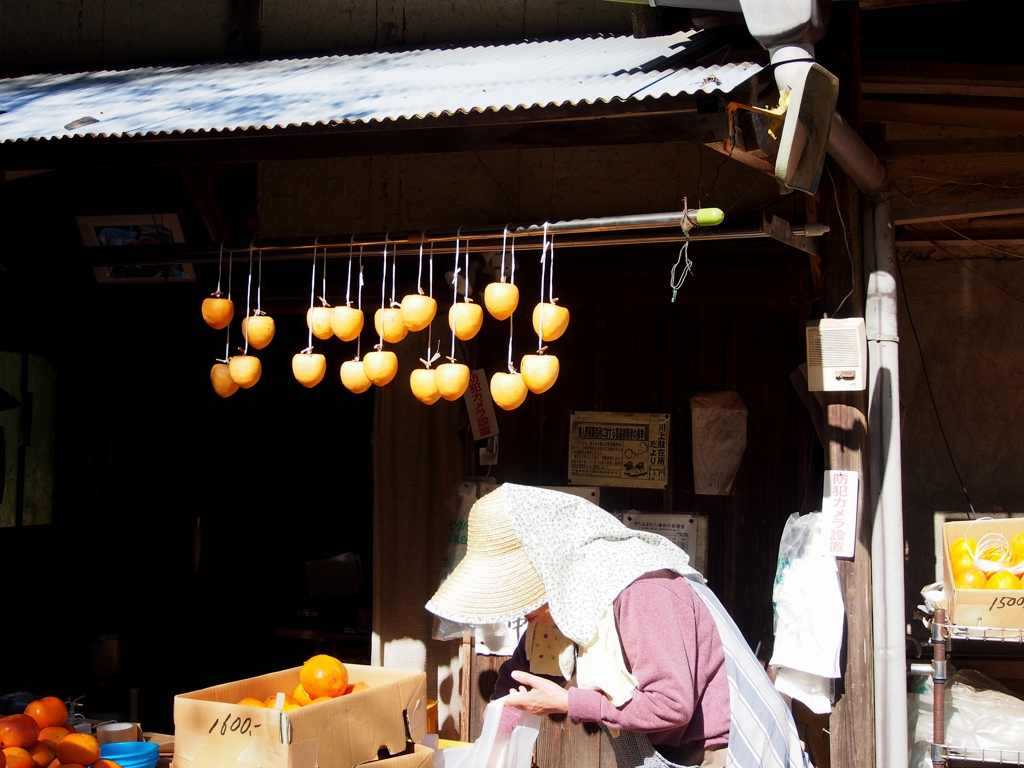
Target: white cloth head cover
(584, 556)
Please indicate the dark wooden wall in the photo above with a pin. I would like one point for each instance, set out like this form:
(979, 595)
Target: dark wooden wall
(737, 325)
(277, 475)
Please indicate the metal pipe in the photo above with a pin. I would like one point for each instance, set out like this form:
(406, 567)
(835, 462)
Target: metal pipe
(855, 157)
(885, 483)
(938, 684)
(290, 249)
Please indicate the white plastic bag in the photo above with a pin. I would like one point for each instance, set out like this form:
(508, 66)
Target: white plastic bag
(809, 614)
(494, 749)
(980, 714)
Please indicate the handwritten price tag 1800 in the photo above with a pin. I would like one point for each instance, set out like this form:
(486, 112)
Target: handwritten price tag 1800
(839, 511)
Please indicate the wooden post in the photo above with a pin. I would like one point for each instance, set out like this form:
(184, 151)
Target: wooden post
(852, 724)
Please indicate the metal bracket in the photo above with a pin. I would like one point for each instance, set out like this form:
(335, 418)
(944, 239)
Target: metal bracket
(779, 229)
(939, 672)
(938, 755)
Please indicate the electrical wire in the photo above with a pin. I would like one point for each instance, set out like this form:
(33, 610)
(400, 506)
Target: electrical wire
(954, 182)
(846, 242)
(957, 232)
(959, 261)
(931, 394)
(977, 274)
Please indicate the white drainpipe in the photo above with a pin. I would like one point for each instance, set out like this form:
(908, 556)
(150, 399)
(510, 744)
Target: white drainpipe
(885, 480)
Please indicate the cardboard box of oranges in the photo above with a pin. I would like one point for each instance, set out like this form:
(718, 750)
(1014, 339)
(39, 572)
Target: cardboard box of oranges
(212, 730)
(978, 598)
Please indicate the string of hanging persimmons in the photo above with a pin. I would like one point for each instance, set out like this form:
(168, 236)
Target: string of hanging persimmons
(393, 321)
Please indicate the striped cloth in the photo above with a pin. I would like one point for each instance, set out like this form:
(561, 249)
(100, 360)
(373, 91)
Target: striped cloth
(762, 733)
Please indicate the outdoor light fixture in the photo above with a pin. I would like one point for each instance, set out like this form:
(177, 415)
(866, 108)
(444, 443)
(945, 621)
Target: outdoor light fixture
(804, 141)
(807, 91)
(789, 31)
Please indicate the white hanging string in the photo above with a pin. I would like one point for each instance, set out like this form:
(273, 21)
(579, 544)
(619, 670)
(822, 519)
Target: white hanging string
(248, 293)
(230, 263)
(551, 270)
(511, 325)
(359, 338)
(259, 286)
(323, 292)
(348, 282)
(419, 275)
(394, 265)
(504, 236)
(312, 295)
(431, 356)
(684, 253)
(227, 340)
(465, 276)
(512, 278)
(543, 267)
(383, 289)
(220, 265)
(455, 290)
(511, 318)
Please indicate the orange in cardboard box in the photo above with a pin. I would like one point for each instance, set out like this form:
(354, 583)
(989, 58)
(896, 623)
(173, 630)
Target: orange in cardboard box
(994, 608)
(271, 701)
(301, 696)
(211, 731)
(1003, 580)
(323, 676)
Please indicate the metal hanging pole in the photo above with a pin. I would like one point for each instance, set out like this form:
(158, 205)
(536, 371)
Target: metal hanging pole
(576, 233)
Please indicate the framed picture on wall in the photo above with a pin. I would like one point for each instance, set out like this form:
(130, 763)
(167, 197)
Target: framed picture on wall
(136, 230)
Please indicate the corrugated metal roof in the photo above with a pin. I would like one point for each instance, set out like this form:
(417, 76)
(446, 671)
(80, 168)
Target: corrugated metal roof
(363, 87)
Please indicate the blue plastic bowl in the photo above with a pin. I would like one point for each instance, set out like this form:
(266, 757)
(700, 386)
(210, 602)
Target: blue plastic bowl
(132, 754)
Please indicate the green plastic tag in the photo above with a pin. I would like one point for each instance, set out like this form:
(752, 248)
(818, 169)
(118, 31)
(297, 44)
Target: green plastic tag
(709, 217)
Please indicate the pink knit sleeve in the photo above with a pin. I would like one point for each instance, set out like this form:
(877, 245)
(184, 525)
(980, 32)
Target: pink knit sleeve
(656, 631)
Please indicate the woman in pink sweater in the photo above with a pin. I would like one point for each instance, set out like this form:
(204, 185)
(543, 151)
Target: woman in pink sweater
(656, 659)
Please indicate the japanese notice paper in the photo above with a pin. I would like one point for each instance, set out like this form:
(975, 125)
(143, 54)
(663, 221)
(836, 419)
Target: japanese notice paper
(839, 511)
(688, 532)
(619, 449)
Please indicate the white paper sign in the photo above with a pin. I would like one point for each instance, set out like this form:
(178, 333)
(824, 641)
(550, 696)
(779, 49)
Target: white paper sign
(688, 532)
(839, 511)
(480, 406)
(626, 450)
(490, 643)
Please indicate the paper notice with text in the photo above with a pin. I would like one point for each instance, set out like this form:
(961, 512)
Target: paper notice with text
(628, 450)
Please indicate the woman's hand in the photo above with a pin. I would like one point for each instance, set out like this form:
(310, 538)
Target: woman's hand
(543, 697)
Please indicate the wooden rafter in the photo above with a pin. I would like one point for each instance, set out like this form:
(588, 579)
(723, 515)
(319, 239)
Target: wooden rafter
(923, 215)
(902, 148)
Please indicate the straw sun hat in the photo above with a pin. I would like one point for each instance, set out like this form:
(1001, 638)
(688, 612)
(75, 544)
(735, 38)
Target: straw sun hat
(494, 581)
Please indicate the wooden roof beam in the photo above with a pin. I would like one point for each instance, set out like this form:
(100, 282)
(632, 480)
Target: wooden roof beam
(999, 145)
(992, 114)
(925, 214)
